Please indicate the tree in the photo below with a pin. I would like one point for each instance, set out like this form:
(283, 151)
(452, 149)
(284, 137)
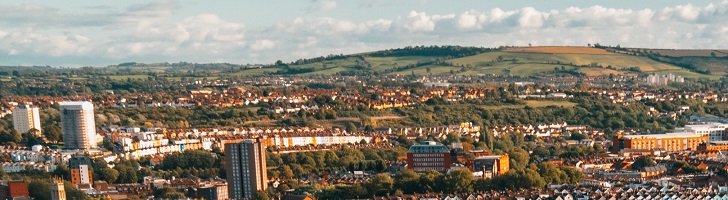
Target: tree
(260, 195)
(459, 181)
(519, 159)
(577, 136)
(39, 188)
(298, 170)
(351, 128)
(330, 158)
(109, 175)
(62, 171)
(381, 184)
(126, 174)
(428, 181)
(531, 179)
(168, 193)
(3, 175)
(550, 173)
(53, 132)
(643, 162)
(488, 139)
(407, 181)
(15, 136)
(72, 192)
(575, 176)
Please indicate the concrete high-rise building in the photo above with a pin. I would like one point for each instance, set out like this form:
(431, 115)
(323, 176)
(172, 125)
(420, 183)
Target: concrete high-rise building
(26, 118)
(81, 172)
(246, 168)
(58, 190)
(78, 125)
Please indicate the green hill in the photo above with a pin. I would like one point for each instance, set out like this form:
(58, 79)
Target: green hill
(525, 61)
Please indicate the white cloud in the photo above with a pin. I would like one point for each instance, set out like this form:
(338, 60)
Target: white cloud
(30, 42)
(262, 44)
(331, 26)
(687, 13)
(159, 31)
(471, 20)
(531, 18)
(420, 21)
(321, 5)
(327, 5)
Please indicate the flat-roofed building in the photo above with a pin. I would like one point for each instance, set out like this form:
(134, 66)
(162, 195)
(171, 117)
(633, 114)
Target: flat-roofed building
(26, 118)
(492, 166)
(81, 171)
(714, 131)
(245, 165)
(427, 156)
(713, 146)
(78, 125)
(667, 141)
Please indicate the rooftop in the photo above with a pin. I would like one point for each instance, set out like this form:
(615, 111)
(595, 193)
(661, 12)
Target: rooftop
(489, 157)
(666, 135)
(77, 104)
(428, 147)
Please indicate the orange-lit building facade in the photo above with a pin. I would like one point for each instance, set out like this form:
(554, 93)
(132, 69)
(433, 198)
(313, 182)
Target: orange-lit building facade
(81, 172)
(669, 141)
(492, 166)
(713, 146)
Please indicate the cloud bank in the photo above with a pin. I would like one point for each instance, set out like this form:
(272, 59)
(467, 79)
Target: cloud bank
(155, 32)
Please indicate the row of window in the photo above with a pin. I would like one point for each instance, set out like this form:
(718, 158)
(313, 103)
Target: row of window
(427, 164)
(424, 169)
(428, 159)
(428, 155)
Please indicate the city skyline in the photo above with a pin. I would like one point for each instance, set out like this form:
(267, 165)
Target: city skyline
(81, 33)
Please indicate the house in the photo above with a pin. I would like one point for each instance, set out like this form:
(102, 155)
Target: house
(556, 95)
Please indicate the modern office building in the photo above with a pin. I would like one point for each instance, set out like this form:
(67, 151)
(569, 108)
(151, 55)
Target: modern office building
(246, 168)
(78, 125)
(667, 141)
(26, 118)
(714, 131)
(81, 172)
(427, 156)
(491, 166)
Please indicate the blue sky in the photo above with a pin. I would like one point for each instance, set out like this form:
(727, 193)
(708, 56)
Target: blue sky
(99, 33)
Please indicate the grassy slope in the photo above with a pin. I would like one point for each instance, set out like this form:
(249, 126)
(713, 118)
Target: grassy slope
(535, 104)
(530, 61)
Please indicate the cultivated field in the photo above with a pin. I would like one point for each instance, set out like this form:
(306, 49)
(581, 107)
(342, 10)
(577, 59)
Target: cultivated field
(686, 52)
(545, 62)
(125, 77)
(535, 104)
(383, 63)
(519, 61)
(256, 71)
(599, 71)
(560, 50)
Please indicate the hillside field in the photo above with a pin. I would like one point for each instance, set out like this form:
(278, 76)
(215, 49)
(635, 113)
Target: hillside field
(560, 50)
(519, 61)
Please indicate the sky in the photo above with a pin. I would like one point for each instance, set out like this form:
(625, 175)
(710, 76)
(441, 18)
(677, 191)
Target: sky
(73, 33)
